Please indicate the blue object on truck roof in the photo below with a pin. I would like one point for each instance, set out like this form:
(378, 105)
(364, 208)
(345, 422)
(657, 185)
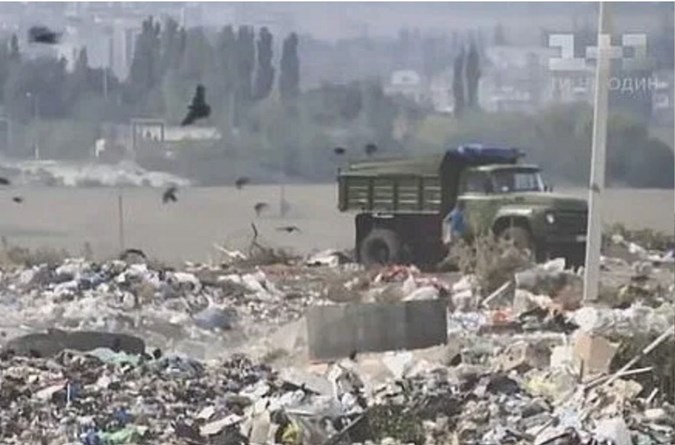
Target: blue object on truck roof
(477, 152)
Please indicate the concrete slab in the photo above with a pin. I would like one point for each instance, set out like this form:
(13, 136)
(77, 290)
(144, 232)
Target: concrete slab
(335, 331)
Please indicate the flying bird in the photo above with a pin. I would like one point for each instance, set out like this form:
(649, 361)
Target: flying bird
(132, 251)
(339, 151)
(198, 109)
(169, 195)
(370, 149)
(289, 229)
(4, 181)
(17, 199)
(241, 182)
(42, 34)
(259, 207)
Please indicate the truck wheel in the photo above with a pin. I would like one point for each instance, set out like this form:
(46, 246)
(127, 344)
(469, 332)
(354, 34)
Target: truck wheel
(519, 238)
(380, 246)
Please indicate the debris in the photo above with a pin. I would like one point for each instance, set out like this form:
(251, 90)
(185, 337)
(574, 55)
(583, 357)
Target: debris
(614, 430)
(55, 340)
(215, 318)
(430, 360)
(594, 353)
(522, 356)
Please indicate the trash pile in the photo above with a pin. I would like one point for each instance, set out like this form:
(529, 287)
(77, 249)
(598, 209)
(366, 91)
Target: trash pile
(68, 174)
(162, 305)
(122, 360)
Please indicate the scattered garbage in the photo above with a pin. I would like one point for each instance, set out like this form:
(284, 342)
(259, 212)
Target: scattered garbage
(126, 352)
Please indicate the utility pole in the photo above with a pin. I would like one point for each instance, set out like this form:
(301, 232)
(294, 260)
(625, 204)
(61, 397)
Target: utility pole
(282, 188)
(120, 218)
(36, 118)
(599, 148)
(105, 84)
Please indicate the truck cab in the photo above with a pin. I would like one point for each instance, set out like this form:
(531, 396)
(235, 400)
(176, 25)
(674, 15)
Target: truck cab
(401, 205)
(514, 202)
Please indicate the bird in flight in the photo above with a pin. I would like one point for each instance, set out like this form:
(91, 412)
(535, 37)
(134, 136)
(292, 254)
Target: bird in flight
(259, 207)
(289, 229)
(241, 182)
(198, 109)
(169, 195)
(370, 149)
(132, 251)
(339, 151)
(42, 34)
(17, 199)
(4, 181)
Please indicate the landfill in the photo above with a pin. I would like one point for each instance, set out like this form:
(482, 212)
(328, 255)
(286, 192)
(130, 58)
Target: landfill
(70, 174)
(133, 352)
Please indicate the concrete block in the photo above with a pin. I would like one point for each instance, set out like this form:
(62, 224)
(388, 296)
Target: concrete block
(336, 331)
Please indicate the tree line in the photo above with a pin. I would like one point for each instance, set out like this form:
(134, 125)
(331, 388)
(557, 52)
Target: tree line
(168, 61)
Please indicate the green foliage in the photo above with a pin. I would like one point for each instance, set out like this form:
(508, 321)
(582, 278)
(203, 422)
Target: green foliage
(295, 131)
(559, 140)
(144, 71)
(289, 78)
(458, 84)
(499, 37)
(14, 51)
(472, 76)
(265, 71)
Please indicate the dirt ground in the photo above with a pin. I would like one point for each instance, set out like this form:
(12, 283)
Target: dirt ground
(186, 230)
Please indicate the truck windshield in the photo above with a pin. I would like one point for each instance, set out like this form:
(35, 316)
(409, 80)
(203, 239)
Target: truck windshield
(508, 181)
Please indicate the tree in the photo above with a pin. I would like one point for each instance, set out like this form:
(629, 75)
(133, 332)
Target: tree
(37, 86)
(226, 50)
(458, 83)
(144, 71)
(499, 37)
(172, 46)
(245, 62)
(14, 52)
(197, 61)
(264, 79)
(4, 65)
(472, 76)
(380, 113)
(289, 79)
(351, 101)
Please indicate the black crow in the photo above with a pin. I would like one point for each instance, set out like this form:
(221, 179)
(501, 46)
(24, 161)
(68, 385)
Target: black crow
(17, 199)
(170, 195)
(339, 151)
(289, 229)
(42, 34)
(4, 181)
(198, 109)
(132, 251)
(370, 149)
(241, 182)
(259, 207)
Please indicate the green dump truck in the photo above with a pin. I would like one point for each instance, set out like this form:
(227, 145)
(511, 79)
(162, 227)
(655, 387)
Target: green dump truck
(401, 204)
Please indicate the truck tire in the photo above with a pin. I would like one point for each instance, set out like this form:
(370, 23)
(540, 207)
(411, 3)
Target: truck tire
(380, 246)
(519, 237)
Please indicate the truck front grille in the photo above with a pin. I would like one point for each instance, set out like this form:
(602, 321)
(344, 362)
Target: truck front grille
(572, 222)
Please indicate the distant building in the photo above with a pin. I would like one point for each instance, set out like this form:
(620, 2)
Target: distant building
(519, 78)
(409, 84)
(440, 92)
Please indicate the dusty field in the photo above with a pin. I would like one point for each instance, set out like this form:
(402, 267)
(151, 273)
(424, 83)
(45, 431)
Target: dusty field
(187, 229)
